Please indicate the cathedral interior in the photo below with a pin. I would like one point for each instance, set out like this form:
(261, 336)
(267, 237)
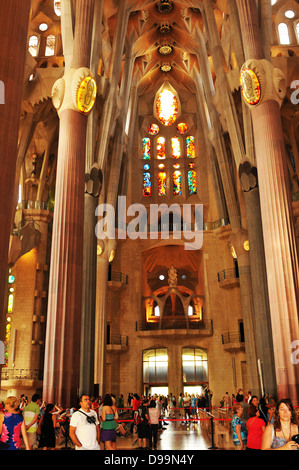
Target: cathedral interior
(149, 197)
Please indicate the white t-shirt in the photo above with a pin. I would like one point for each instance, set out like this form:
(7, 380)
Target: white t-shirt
(153, 415)
(85, 432)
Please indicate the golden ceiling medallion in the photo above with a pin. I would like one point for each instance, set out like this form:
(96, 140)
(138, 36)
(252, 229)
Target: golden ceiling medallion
(166, 67)
(250, 86)
(165, 49)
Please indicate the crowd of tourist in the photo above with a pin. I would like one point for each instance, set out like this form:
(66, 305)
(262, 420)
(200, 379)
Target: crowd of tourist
(263, 424)
(256, 424)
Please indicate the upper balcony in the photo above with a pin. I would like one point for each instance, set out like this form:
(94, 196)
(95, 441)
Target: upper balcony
(174, 327)
(233, 341)
(229, 278)
(117, 281)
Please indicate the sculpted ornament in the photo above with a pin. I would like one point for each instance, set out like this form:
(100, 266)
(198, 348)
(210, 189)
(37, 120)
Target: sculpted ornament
(77, 90)
(260, 81)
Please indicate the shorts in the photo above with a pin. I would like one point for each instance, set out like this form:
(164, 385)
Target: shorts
(143, 431)
(32, 438)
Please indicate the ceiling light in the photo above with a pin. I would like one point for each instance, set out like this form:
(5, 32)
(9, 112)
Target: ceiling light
(165, 67)
(165, 49)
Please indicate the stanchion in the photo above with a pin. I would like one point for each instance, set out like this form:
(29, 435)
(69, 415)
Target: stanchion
(212, 447)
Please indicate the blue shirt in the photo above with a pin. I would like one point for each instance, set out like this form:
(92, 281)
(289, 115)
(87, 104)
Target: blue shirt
(235, 421)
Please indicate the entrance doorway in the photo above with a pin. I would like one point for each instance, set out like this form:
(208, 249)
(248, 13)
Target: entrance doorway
(158, 390)
(196, 389)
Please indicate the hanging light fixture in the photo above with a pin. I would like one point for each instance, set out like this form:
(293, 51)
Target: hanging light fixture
(165, 49)
(164, 28)
(165, 67)
(164, 6)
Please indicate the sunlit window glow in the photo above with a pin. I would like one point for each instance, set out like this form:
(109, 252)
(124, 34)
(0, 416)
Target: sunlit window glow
(162, 183)
(177, 183)
(283, 31)
(153, 129)
(50, 45)
(167, 107)
(147, 185)
(33, 45)
(161, 148)
(146, 148)
(182, 127)
(175, 147)
(190, 147)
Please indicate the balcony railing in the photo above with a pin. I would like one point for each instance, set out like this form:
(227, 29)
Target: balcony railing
(21, 374)
(118, 340)
(228, 274)
(229, 338)
(118, 277)
(40, 205)
(174, 325)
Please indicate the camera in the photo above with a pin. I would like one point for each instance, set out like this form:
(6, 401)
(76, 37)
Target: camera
(91, 419)
(295, 438)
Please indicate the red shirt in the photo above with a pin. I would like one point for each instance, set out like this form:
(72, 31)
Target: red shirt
(135, 404)
(255, 432)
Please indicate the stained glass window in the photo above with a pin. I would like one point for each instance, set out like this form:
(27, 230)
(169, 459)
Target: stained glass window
(153, 129)
(146, 148)
(177, 183)
(147, 184)
(10, 303)
(162, 183)
(182, 128)
(167, 107)
(33, 45)
(192, 185)
(190, 146)
(161, 148)
(50, 45)
(283, 31)
(175, 147)
(57, 7)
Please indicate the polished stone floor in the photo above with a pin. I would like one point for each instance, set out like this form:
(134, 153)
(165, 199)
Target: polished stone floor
(178, 436)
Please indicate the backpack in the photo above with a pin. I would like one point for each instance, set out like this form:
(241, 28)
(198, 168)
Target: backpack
(138, 416)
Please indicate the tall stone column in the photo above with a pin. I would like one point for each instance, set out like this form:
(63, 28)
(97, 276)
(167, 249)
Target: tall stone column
(278, 227)
(62, 352)
(238, 235)
(105, 249)
(262, 321)
(93, 182)
(14, 18)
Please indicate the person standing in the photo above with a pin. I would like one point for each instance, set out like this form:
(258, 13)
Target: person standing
(109, 415)
(47, 426)
(31, 414)
(143, 428)
(84, 426)
(255, 428)
(278, 436)
(12, 426)
(239, 428)
(136, 402)
(153, 414)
